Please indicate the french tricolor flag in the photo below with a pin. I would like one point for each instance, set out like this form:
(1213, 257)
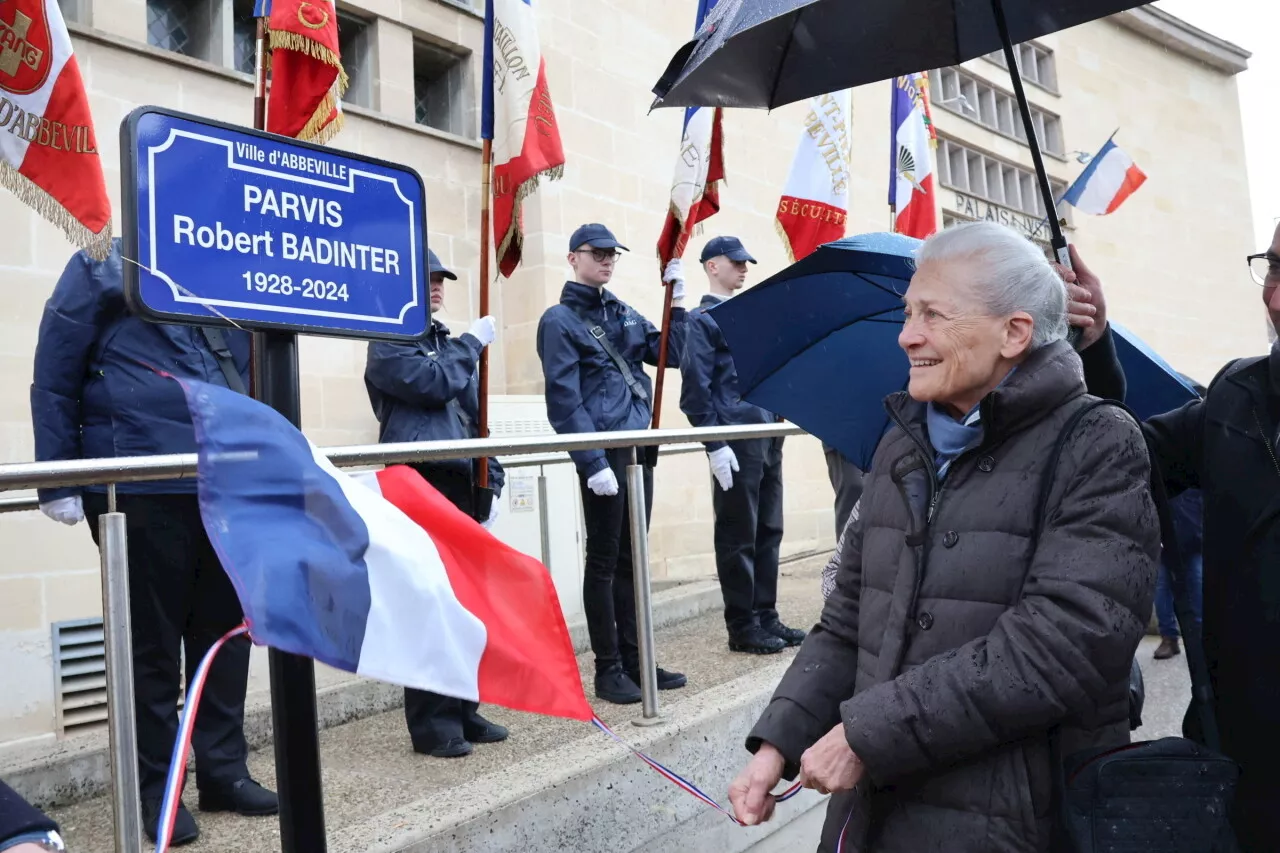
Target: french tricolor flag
(375, 573)
(1109, 179)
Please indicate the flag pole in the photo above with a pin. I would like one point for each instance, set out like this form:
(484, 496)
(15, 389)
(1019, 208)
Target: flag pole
(273, 380)
(663, 343)
(486, 172)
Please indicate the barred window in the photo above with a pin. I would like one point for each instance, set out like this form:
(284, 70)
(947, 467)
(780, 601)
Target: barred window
(1035, 63)
(354, 45)
(441, 89)
(984, 176)
(245, 36)
(977, 100)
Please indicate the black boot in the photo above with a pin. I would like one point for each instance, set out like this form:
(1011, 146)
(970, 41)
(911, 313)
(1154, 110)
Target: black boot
(185, 830)
(614, 685)
(666, 680)
(479, 730)
(790, 636)
(245, 797)
(755, 641)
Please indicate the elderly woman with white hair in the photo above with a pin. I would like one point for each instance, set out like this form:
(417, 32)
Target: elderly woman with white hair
(967, 639)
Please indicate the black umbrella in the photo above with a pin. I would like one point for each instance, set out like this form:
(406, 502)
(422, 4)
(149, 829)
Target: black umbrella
(766, 53)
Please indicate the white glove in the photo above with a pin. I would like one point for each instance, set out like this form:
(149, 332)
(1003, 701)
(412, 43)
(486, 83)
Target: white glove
(66, 510)
(603, 483)
(723, 463)
(493, 514)
(674, 273)
(484, 330)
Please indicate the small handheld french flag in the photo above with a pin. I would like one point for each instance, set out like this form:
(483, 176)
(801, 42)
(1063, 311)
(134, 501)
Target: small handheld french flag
(1109, 179)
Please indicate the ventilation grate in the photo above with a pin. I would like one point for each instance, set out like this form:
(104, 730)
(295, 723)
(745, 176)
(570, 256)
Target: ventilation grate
(80, 677)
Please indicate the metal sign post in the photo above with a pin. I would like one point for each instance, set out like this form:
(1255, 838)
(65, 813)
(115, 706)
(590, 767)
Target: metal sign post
(226, 226)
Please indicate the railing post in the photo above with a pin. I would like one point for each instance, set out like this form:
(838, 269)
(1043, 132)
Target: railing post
(114, 555)
(544, 520)
(644, 601)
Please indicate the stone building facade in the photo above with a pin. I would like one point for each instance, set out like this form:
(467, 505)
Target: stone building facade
(1172, 256)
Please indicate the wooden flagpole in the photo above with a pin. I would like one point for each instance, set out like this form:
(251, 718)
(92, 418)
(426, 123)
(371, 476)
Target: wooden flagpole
(663, 343)
(486, 172)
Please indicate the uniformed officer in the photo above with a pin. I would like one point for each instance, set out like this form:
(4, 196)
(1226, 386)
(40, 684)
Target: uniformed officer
(746, 490)
(593, 348)
(103, 387)
(429, 391)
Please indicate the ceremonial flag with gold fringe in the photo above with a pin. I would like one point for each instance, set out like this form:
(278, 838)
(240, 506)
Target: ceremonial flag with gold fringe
(695, 189)
(517, 114)
(48, 149)
(307, 79)
(815, 201)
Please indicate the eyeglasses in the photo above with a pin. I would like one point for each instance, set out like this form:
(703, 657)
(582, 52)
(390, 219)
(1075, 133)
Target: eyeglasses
(1265, 269)
(602, 255)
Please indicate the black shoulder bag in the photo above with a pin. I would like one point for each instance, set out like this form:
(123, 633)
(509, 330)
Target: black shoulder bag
(226, 361)
(1172, 795)
(648, 455)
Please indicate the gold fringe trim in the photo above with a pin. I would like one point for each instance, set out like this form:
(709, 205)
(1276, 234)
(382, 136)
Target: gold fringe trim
(513, 237)
(786, 240)
(329, 131)
(283, 39)
(31, 194)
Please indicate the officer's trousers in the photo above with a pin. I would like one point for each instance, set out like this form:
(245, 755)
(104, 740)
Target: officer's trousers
(608, 585)
(180, 600)
(748, 533)
(433, 719)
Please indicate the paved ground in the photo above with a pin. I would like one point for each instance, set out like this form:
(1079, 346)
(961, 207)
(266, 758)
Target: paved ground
(370, 768)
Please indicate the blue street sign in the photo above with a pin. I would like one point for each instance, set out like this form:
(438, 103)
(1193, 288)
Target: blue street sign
(229, 226)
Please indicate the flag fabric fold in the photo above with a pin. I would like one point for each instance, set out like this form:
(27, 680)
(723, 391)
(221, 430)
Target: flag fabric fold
(911, 139)
(518, 116)
(375, 573)
(307, 78)
(815, 202)
(695, 189)
(48, 149)
(1109, 179)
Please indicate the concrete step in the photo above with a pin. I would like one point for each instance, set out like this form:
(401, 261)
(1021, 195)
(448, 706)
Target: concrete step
(556, 785)
(53, 773)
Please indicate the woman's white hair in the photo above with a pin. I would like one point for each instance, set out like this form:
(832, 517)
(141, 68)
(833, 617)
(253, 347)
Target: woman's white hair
(1015, 275)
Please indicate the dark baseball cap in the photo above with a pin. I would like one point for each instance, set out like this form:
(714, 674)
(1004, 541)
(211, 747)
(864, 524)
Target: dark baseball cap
(730, 247)
(434, 266)
(596, 236)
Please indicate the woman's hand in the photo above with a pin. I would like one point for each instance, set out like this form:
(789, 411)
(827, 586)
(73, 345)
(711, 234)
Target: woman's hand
(750, 794)
(1086, 304)
(830, 765)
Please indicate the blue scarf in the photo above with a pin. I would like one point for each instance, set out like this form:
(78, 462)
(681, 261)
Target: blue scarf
(951, 437)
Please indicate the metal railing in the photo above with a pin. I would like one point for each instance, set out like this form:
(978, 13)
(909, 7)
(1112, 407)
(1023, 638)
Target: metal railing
(517, 452)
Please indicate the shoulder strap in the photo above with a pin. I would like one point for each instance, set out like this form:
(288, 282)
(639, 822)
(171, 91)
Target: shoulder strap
(1197, 664)
(218, 343)
(597, 331)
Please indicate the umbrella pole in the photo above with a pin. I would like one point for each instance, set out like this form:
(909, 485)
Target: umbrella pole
(1057, 240)
(486, 162)
(662, 354)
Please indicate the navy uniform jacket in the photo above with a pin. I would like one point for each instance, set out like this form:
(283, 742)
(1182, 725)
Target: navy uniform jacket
(429, 391)
(585, 391)
(96, 391)
(709, 380)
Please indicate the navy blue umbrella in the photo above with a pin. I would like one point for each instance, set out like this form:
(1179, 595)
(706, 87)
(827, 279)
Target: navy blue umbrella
(1153, 387)
(818, 344)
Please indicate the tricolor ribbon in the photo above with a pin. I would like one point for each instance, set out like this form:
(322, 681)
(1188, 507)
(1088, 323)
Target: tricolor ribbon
(182, 747)
(182, 743)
